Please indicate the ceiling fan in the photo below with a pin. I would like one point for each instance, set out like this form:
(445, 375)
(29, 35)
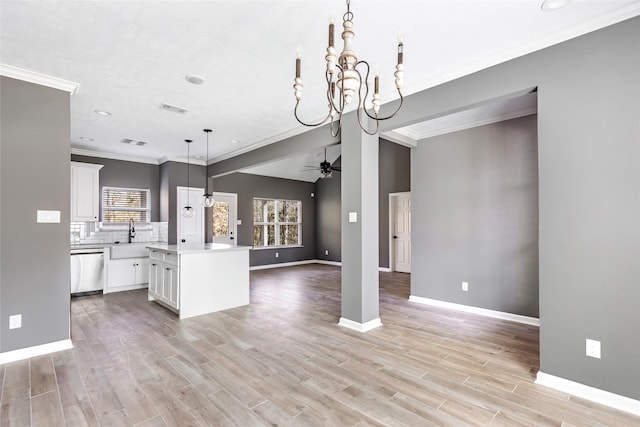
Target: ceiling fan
(326, 170)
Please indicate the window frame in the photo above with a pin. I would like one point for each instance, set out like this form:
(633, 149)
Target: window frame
(277, 223)
(117, 225)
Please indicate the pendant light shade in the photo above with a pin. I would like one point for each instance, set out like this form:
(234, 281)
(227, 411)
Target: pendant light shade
(207, 198)
(188, 211)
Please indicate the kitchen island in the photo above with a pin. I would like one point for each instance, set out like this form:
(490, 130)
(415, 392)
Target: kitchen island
(198, 279)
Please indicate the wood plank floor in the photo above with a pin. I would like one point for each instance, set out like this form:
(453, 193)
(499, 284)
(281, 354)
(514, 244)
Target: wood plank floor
(284, 361)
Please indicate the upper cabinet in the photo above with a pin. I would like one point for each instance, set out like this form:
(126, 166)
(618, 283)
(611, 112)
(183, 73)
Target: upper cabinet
(85, 191)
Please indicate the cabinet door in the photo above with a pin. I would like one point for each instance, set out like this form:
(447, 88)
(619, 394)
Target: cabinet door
(170, 286)
(121, 273)
(155, 278)
(142, 271)
(85, 192)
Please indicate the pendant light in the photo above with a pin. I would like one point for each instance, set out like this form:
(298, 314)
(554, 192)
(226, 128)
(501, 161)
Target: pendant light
(207, 199)
(188, 211)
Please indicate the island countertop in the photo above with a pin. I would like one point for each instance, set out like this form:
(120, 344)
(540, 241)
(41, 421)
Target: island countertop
(194, 248)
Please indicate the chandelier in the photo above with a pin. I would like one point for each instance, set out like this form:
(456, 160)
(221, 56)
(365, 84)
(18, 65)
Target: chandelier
(342, 74)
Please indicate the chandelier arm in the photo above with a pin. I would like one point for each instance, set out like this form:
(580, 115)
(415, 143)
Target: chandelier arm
(361, 105)
(295, 113)
(389, 116)
(333, 104)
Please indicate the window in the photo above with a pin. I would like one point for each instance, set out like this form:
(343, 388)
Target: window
(122, 204)
(277, 222)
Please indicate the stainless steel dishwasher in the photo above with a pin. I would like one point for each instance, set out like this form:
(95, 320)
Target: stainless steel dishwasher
(87, 271)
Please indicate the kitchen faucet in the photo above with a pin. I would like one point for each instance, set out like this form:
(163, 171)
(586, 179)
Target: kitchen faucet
(132, 230)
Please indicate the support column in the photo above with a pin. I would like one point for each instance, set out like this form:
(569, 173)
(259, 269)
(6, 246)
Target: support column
(359, 181)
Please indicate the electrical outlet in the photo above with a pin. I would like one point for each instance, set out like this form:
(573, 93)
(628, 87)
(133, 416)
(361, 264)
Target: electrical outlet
(465, 286)
(593, 348)
(277, 255)
(326, 252)
(15, 321)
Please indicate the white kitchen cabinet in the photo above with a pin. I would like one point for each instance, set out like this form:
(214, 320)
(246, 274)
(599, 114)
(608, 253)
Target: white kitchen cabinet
(85, 191)
(164, 278)
(196, 279)
(126, 274)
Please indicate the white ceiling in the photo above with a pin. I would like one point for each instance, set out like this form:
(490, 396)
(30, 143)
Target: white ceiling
(131, 56)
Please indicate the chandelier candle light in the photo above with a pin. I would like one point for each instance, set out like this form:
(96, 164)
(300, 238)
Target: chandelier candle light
(342, 73)
(187, 211)
(207, 199)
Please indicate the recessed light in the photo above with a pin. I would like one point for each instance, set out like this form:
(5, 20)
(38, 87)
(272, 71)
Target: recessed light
(198, 156)
(193, 79)
(86, 138)
(235, 141)
(551, 5)
(102, 113)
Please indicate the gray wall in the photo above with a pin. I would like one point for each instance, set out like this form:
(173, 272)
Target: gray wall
(328, 217)
(173, 175)
(248, 186)
(119, 173)
(34, 174)
(589, 195)
(395, 177)
(476, 217)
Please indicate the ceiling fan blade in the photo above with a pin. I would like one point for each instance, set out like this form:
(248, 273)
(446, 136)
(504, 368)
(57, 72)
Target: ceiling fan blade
(336, 168)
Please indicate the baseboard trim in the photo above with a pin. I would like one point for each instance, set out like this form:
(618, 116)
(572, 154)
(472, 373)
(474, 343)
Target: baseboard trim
(533, 321)
(360, 327)
(590, 393)
(282, 264)
(38, 350)
(308, 261)
(326, 262)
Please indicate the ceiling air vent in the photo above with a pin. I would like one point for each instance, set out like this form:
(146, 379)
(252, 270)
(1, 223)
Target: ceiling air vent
(173, 108)
(132, 141)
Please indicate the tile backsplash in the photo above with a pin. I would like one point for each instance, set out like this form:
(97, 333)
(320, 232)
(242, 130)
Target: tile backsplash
(95, 232)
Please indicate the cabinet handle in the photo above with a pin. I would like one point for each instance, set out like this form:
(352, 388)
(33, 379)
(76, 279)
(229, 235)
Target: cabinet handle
(153, 265)
(167, 268)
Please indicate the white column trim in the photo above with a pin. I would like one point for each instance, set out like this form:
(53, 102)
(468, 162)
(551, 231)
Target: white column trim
(38, 350)
(360, 327)
(593, 394)
(533, 321)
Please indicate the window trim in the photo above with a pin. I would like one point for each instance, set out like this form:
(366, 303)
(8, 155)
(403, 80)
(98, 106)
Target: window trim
(118, 225)
(276, 223)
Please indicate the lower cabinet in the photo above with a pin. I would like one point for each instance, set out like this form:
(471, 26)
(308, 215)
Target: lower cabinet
(164, 281)
(126, 274)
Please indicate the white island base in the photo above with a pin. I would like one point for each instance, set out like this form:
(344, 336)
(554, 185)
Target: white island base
(198, 279)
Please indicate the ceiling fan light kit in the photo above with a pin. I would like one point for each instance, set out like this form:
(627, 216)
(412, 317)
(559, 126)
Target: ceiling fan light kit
(342, 73)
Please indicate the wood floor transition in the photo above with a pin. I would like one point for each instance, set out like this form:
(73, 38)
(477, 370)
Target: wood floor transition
(284, 361)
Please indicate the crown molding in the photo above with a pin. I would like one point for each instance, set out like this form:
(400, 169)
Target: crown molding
(398, 136)
(197, 162)
(38, 78)
(103, 155)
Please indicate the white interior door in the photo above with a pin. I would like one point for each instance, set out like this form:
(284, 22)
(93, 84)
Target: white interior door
(401, 233)
(190, 230)
(225, 224)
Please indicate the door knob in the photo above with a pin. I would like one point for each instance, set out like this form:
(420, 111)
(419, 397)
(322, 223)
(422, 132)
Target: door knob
(395, 237)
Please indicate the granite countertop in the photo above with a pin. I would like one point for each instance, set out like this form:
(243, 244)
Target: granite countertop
(191, 248)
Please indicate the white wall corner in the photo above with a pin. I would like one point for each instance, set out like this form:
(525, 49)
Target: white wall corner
(593, 394)
(360, 327)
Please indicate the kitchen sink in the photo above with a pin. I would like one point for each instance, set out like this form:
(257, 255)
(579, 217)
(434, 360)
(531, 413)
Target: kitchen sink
(129, 250)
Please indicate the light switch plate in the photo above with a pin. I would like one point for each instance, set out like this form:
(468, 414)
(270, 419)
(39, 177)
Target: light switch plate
(353, 216)
(593, 348)
(239, 222)
(48, 217)
(15, 321)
